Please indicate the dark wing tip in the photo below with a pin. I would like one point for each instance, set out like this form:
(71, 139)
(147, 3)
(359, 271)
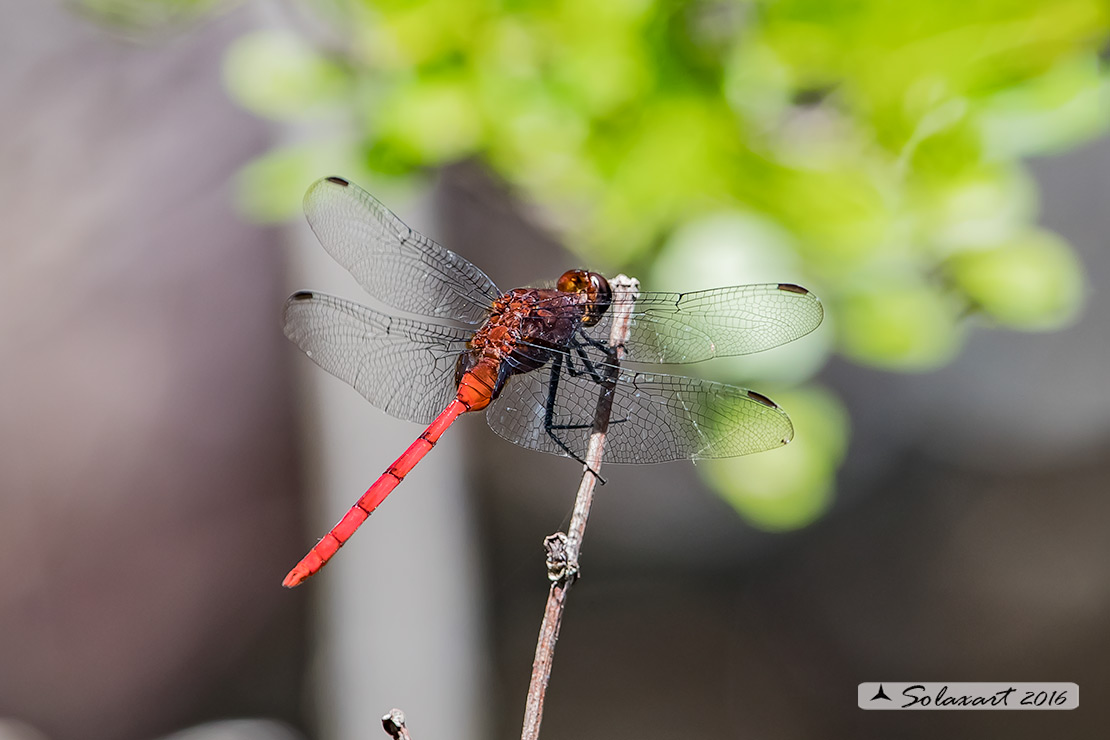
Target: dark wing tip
(792, 288)
(762, 399)
(338, 181)
(302, 295)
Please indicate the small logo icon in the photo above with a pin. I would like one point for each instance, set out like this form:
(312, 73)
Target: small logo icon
(881, 695)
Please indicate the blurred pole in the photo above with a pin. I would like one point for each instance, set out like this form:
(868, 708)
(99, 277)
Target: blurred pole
(399, 618)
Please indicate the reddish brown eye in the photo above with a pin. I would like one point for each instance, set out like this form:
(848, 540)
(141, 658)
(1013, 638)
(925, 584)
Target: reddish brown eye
(572, 281)
(593, 286)
(599, 289)
(600, 296)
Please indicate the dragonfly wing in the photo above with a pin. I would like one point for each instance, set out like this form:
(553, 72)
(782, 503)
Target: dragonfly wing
(403, 366)
(691, 327)
(655, 417)
(396, 265)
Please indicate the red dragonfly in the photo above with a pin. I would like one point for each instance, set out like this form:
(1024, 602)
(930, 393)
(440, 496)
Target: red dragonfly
(533, 358)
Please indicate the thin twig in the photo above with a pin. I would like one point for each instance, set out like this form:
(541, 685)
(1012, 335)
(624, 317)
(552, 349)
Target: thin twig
(563, 549)
(394, 724)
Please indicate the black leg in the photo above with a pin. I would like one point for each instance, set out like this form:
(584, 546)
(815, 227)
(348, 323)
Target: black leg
(588, 367)
(595, 343)
(549, 425)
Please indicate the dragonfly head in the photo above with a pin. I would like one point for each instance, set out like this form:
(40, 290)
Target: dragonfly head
(593, 286)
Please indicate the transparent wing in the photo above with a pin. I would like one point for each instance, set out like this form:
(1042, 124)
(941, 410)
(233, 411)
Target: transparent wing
(655, 418)
(691, 327)
(404, 367)
(396, 265)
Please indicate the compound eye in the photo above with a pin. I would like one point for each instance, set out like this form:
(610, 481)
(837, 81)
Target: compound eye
(573, 281)
(600, 297)
(599, 290)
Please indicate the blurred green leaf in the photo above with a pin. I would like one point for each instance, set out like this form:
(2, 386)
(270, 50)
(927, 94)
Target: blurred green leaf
(982, 207)
(790, 487)
(272, 187)
(1032, 282)
(276, 74)
(1067, 105)
(898, 322)
(434, 121)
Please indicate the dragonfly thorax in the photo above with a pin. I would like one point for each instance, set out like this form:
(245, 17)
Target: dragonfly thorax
(524, 326)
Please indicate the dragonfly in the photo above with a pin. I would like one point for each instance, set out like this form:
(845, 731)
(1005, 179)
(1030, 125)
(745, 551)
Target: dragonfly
(446, 341)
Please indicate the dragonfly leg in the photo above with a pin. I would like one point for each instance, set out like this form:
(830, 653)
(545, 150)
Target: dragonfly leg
(588, 367)
(595, 343)
(549, 425)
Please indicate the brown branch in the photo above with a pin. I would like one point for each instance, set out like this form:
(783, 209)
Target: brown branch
(563, 549)
(394, 724)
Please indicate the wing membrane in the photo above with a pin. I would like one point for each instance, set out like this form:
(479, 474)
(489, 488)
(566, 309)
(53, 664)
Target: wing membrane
(403, 366)
(395, 264)
(655, 417)
(691, 327)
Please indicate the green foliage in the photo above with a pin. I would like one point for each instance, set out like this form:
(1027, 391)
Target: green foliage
(297, 79)
(792, 486)
(1029, 283)
(865, 148)
(898, 322)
